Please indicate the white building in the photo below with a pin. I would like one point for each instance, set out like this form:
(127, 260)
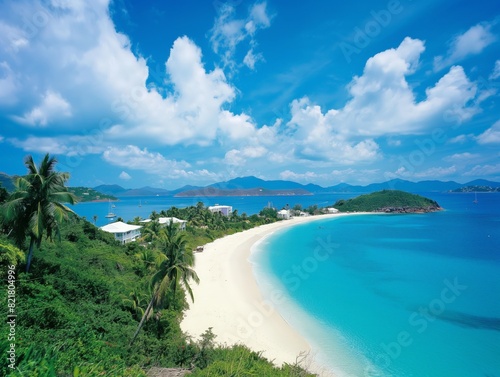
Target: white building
(168, 220)
(332, 210)
(224, 210)
(123, 232)
(284, 214)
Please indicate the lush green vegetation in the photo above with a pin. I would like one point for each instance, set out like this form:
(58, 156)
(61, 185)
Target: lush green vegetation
(204, 226)
(84, 298)
(86, 194)
(387, 201)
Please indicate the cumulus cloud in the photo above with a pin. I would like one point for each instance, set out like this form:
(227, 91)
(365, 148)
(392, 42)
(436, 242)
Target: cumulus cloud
(491, 135)
(132, 157)
(124, 176)
(382, 103)
(89, 78)
(141, 159)
(237, 157)
(41, 145)
(461, 157)
(483, 170)
(472, 42)
(308, 176)
(52, 107)
(229, 31)
(437, 172)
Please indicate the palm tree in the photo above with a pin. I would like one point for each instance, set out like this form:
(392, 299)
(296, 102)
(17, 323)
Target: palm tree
(151, 231)
(174, 270)
(135, 302)
(36, 206)
(95, 219)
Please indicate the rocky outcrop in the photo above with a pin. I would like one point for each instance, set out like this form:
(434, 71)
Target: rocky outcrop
(409, 209)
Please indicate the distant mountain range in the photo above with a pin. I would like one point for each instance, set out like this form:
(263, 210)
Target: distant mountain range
(253, 186)
(6, 182)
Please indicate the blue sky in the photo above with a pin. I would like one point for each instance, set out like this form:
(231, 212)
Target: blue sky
(192, 92)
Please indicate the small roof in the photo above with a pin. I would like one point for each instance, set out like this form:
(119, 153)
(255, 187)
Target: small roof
(119, 227)
(164, 220)
(283, 212)
(217, 206)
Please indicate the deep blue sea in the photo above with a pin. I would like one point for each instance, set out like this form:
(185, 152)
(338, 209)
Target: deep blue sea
(393, 295)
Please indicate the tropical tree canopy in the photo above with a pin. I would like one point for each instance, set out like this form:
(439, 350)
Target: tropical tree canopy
(36, 206)
(176, 268)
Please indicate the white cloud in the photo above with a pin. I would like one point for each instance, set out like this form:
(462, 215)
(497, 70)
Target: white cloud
(301, 177)
(460, 139)
(236, 127)
(496, 71)
(91, 77)
(430, 173)
(251, 59)
(491, 135)
(382, 104)
(52, 107)
(483, 170)
(124, 176)
(461, 157)
(228, 32)
(41, 145)
(133, 157)
(436, 172)
(236, 157)
(472, 42)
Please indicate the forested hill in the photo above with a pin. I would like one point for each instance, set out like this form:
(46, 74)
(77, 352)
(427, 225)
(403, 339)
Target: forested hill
(389, 201)
(86, 194)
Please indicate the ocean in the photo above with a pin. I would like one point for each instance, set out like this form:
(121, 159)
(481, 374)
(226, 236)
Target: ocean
(393, 295)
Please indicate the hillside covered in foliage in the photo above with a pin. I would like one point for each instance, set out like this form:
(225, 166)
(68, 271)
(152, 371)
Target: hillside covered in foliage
(86, 194)
(88, 306)
(389, 201)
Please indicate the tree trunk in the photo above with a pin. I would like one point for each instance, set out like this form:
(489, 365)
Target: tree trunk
(30, 254)
(146, 313)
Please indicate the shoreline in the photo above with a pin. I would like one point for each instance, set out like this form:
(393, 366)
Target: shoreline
(229, 300)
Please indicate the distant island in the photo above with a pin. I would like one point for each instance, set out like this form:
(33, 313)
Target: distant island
(388, 201)
(477, 189)
(212, 191)
(86, 194)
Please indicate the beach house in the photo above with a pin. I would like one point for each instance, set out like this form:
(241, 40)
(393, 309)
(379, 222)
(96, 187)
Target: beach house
(284, 214)
(224, 210)
(124, 233)
(331, 210)
(168, 220)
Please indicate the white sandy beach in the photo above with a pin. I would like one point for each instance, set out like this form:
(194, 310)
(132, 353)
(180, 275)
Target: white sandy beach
(229, 300)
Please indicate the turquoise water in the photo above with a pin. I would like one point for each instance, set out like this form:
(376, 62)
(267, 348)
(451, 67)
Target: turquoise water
(394, 295)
